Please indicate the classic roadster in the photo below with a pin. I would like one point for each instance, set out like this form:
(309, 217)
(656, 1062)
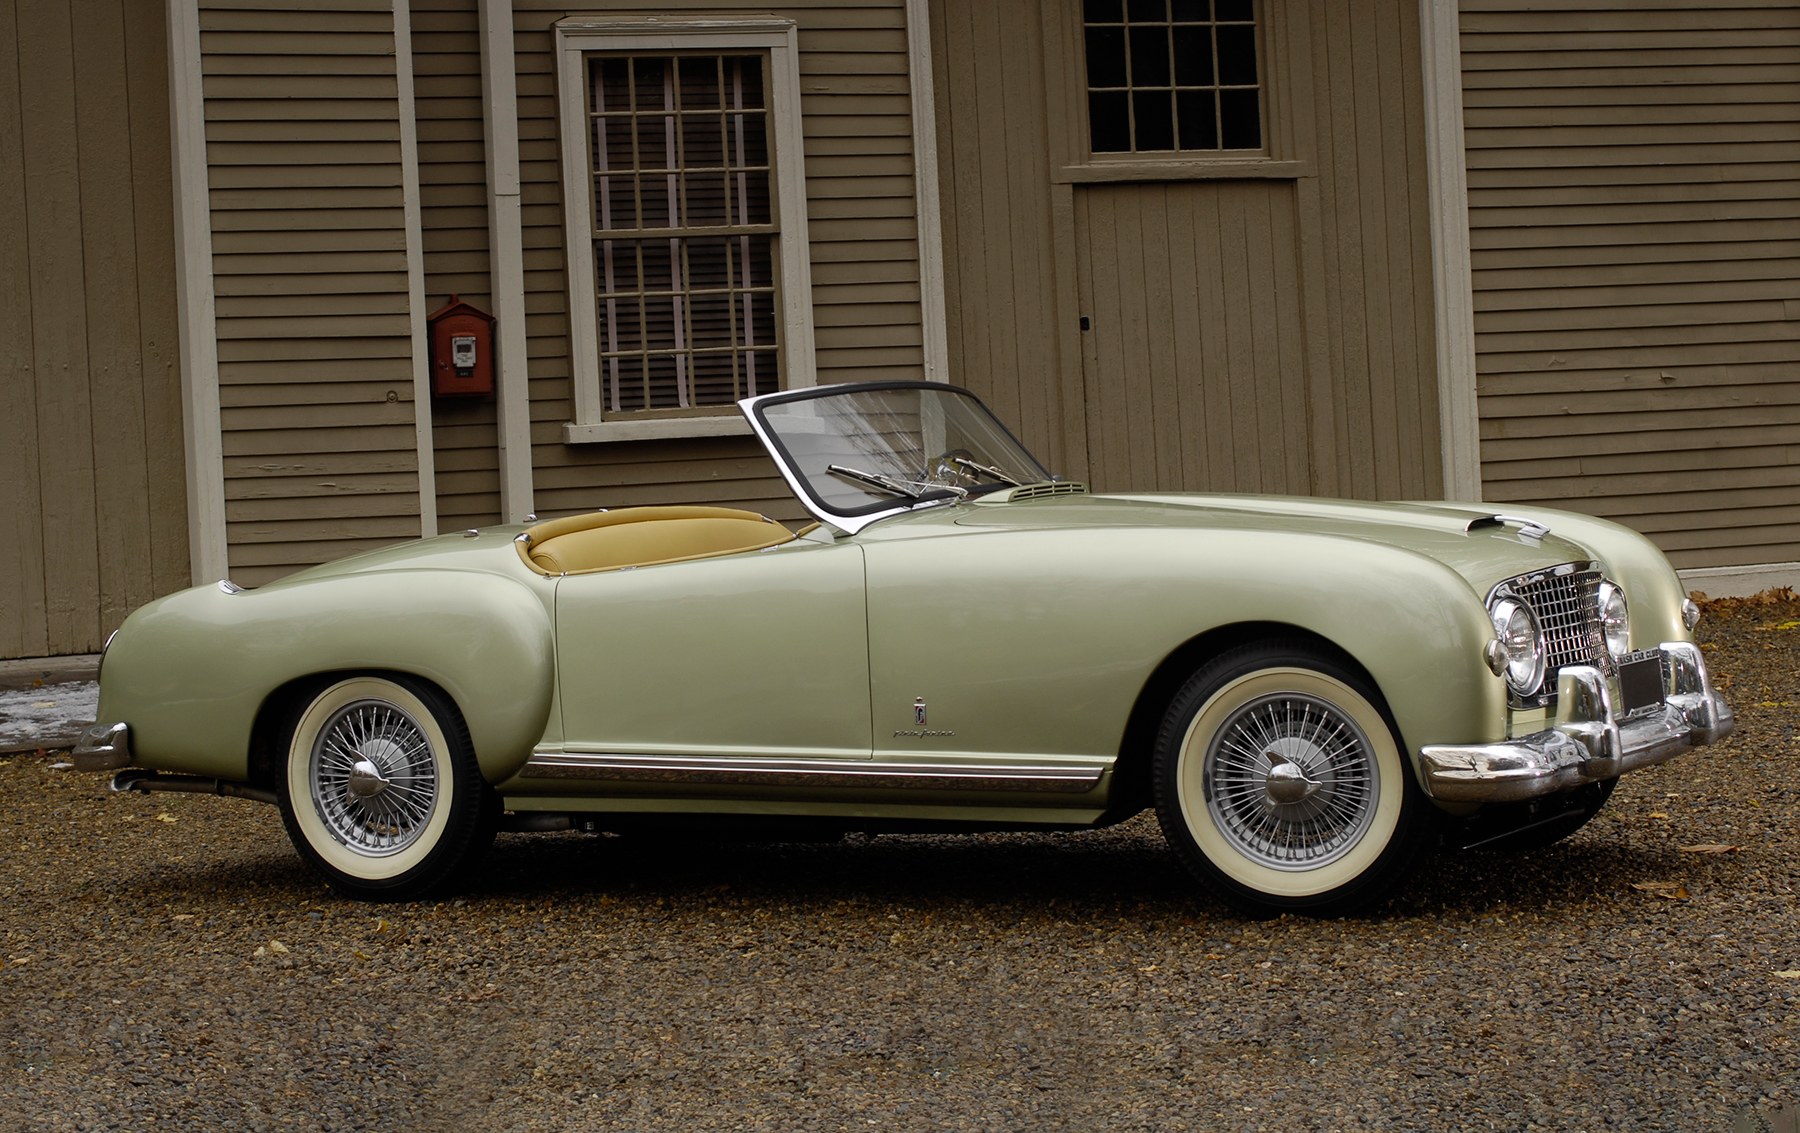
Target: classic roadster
(1310, 693)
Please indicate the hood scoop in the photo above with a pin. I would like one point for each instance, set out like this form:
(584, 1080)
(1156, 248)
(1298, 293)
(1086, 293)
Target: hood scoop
(1051, 488)
(1528, 528)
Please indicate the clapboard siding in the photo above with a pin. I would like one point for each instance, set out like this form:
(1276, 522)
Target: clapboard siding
(309, 258)
(446, 42)
(93, 510)
(857, 134)
(1636, 249)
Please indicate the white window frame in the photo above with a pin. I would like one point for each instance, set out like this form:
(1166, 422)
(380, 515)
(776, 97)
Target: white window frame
(575, 39)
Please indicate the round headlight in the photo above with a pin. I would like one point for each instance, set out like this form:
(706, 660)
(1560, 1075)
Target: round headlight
(1614, 621)
(1522, 645)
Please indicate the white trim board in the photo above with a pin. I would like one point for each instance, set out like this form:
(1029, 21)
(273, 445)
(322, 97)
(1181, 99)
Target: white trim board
(1452, 279)
(934, 321)
(506, 250)
(415, 267)
(195, 299)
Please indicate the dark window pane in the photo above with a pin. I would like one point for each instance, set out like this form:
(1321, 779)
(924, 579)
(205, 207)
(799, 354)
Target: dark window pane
(705, 200)
(747, 140)
(751, 205)
(1148, 11)
(618, 202)
(1105, 57)
(709, 268)
(1149, 57)
(1109, 123)
(1242, 119)
(609, 85)
(1101, 11)
(1196, 110)
(744, 79)
(625, 381)
(663, 391)
(1155, 120)
(1237, 56)
(649, 74)
(702, 141)
(1193, 57)
(656, 193)
(656, 141)
(1237, 10)
(699, 82)
(1193, 10)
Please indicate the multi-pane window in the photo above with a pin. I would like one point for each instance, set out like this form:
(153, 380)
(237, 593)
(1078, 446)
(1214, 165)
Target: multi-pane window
(684, 235)
(1172, 76)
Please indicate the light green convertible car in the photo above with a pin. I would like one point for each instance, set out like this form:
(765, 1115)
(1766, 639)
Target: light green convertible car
(1310, 693)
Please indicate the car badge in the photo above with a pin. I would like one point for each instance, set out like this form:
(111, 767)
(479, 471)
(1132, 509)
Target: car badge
(919, 711)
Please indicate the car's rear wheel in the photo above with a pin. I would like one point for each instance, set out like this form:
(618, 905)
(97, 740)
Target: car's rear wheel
(1280, 784)
(381, 792)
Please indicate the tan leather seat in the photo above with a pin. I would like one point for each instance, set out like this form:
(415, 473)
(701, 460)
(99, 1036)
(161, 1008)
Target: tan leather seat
(645, 536)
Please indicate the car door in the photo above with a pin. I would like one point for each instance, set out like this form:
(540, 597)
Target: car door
(761, 654)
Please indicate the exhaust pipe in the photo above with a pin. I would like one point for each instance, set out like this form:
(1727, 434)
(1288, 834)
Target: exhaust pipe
(146, 781)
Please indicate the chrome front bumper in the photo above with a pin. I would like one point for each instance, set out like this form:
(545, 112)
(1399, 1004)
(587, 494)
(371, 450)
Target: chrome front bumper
(1588, 741)
(102, 747)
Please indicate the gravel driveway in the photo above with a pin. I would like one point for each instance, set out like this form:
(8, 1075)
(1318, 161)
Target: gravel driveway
(167, 959)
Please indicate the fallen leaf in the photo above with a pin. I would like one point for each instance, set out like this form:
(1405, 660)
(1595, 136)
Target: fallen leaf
(1778, 626)
(1667, 890)
(1788, 975)
(1711, 848)
(278, 948)
(165, 816)
(1658, 814)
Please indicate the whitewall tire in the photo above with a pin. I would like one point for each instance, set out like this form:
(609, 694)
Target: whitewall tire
(1279, 783)
(381, 792)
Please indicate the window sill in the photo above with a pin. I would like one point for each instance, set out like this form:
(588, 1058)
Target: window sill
(1205, 169)
(666, 428)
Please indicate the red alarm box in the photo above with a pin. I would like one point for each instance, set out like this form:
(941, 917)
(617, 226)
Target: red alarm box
(462, 350)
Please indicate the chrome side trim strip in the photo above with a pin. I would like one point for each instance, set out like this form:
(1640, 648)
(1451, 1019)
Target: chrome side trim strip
(1068, 779)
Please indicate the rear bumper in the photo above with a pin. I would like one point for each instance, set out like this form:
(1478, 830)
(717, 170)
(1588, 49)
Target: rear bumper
(103, 747)
(1588, 742)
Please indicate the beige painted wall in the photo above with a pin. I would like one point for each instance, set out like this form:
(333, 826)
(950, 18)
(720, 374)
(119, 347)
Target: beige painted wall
(93, 515)
(1267, 329)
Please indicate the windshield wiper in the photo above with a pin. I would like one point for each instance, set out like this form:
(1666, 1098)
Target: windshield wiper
(890, 484)
(986, 470)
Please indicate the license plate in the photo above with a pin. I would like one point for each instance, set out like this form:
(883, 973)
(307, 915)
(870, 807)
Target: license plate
(1641, 681)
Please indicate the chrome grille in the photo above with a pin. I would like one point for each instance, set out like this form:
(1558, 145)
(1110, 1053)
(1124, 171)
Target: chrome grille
(1566, 601)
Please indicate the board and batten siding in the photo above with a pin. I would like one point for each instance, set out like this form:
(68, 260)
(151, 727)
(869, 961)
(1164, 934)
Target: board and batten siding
(863, 245)
(304, 172)
(1268, 330)
(93, 508)
(1635, 230)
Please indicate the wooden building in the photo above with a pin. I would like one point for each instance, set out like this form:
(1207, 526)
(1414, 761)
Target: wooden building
(1372, 248)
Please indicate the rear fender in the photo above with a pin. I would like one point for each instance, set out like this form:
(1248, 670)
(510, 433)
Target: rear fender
(190, 673)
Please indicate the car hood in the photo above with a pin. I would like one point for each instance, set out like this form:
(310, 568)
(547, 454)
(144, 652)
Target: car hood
(1464, 537)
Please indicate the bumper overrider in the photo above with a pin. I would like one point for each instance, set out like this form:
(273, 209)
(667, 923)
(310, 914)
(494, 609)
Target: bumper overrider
(1589, 740)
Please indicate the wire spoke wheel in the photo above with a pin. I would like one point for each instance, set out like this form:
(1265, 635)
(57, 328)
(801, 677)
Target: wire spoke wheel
(373, 778)
(1281, 786)
(1291, 782)
(382, 794)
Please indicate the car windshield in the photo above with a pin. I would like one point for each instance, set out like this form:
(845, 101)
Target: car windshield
(861, 452)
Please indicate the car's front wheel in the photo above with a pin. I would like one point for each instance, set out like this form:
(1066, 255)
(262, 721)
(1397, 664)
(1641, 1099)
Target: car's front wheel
(1279, 783)
(381, 792)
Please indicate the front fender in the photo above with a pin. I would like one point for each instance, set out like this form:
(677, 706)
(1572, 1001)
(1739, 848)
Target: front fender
(190, 672)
